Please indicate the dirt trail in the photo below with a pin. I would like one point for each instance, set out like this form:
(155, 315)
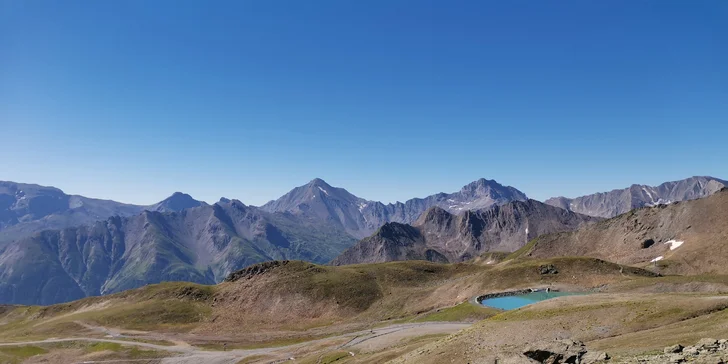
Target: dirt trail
(181, 349)
(383, 338)
(187, 354)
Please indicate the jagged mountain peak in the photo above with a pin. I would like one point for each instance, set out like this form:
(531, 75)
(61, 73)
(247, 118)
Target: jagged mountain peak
(484, 186)
(318, 182)
(479, 184)
(434, 214)
(178, 201)
(392, 229)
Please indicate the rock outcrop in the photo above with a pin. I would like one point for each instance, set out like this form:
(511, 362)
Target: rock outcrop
(706, 351)
(548, 269)
(563, 351)
(255, 270)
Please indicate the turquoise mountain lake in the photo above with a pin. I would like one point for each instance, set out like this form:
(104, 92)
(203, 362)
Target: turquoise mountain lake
(513, 302)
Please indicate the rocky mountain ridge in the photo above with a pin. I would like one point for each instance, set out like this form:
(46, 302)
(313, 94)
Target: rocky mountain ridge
(361, 217)
(441, 236)
(616, 202)
(26, 209)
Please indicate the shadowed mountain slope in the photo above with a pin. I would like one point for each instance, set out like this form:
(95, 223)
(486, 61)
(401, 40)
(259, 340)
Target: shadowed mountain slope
(201, 244)
(26, 209)
(440, 236)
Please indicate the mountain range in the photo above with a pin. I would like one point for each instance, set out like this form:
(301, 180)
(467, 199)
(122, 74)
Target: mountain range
(56, 247)
(360, 217)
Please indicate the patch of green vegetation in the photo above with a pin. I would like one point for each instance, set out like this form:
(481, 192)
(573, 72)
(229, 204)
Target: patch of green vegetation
(167, 290)
(523, 250)
(136, 353)
(152, 314)
(423, 338)
(148, 341)
(465, 311)
(254, 358)
(539, 314)
(104, 346)
(16, 354)
(492, 257)
(219, 346)
(672, 280)
(114, 351)
(335, 357)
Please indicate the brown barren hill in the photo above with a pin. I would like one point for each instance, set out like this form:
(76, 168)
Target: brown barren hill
(682, 238)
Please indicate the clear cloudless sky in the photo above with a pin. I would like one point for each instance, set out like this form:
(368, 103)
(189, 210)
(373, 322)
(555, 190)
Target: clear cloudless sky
(132, 100)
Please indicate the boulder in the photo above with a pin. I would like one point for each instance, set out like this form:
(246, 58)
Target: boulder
(673, 349)
(691, 351)
(723, 344)
(548, 269)
(556, 352)
(707, 344)
(594, 357)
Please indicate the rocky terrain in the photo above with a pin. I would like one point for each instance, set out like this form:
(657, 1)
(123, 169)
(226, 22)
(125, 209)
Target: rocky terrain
(360, 217)
(705, 351)
(562, 351)
(201, 244)
(441, 236)
(685, 238)
(616, 202)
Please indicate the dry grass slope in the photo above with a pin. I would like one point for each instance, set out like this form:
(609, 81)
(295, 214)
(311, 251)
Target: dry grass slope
(701, 224)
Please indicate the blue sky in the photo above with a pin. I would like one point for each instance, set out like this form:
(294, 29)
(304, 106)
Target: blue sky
(133, 100)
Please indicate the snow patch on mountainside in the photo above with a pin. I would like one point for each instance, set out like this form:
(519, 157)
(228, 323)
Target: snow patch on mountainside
(674, 244)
